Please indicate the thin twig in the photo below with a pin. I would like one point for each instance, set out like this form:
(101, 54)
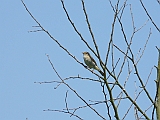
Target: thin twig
(149, 16)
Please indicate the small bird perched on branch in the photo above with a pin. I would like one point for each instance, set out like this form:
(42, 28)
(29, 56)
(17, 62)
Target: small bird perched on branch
(90, 62)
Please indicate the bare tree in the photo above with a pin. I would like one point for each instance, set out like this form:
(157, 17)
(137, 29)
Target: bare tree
(119, 67)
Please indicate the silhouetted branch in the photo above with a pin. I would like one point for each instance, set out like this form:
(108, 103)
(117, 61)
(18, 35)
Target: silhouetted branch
(149, 16)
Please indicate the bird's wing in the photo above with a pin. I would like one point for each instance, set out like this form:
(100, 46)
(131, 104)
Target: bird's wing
(93, 61)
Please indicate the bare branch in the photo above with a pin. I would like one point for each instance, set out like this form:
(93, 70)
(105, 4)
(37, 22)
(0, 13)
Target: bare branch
(149, 16)
(74, 90)
(62, 111)
(105, 96)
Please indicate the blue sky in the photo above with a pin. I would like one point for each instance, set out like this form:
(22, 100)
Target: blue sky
(23, 60)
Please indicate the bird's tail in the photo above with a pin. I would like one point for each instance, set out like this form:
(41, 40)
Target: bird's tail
(101, 72)
(97, 68)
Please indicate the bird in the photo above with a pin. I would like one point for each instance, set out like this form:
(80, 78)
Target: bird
(90, 62)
